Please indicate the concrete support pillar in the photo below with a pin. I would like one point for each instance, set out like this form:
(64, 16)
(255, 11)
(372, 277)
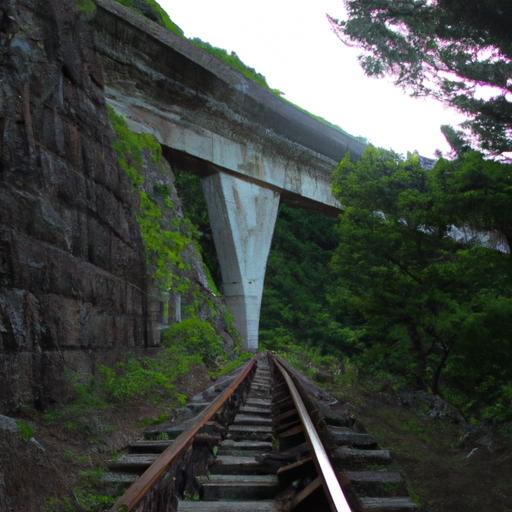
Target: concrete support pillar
(242, 217)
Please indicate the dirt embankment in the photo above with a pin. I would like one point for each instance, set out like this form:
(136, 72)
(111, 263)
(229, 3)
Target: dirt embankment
(450, 465)
(36, 475)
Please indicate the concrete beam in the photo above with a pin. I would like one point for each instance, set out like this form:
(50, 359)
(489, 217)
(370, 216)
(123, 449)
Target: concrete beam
(242, 216)
(249, 146)
(272, 162)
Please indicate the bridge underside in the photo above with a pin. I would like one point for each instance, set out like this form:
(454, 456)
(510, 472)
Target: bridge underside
(242, 185)
(250, 149)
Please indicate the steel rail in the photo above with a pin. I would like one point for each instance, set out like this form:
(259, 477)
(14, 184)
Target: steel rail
(326, 472)
(134, 494)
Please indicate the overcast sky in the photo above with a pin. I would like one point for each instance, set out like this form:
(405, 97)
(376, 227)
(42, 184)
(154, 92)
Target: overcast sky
(291, 43)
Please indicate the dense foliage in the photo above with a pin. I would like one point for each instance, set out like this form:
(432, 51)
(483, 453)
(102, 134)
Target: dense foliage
(295, 307)
(458, 51)
(426, 297)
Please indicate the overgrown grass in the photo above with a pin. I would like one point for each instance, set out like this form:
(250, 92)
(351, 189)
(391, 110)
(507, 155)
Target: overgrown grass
(229, 367)
(310, 361)
(156, 13)
(26, 431)
(234, 61)
(199, 338)
(91, 494)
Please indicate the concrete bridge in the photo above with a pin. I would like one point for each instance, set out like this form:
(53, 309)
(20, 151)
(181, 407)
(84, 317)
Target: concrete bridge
(249, 148)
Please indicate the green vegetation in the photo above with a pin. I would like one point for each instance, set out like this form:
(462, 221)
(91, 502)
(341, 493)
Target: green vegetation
(191, 194)
(414, 296)
(86, 6)
(294, 307)
(164, 239)
(26, 431)
(136, 379)
(148, 378)
(234, 61)
(427, 306)
(152, 10)
(147, 422)
(226, 368)
(165, 234)
(93, 493)
(197, 337)
(56, 505)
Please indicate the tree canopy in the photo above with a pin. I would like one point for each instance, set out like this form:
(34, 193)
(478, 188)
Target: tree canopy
(427, 298)
(295, 309)
(459, 51)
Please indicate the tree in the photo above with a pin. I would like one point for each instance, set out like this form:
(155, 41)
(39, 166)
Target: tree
(294, 307)
(458, 51)
(417, 292)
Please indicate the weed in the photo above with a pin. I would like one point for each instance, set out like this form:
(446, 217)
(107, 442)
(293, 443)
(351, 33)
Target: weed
(391, 486)
(163, 242)
(145, 377)
(376, 467)
(68, 455)
(229, 367)
(87, 7)
(55, 505)
(414, 497)
(196, 337)
(158, 12)
(73, 425)
(53, 416)
(163, 436)
(91, 502)
(26, 431)
(190, 497)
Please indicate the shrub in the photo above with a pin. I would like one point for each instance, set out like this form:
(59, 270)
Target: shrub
(196, 338)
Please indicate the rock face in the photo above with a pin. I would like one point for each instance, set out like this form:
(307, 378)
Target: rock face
(74, 285)
(72, 267)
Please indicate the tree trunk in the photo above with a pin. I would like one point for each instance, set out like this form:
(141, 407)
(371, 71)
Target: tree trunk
(439, 369)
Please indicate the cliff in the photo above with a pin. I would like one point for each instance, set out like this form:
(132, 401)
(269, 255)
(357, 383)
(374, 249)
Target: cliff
(76, 288)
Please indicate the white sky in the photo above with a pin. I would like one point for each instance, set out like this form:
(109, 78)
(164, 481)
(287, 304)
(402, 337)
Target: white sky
(291, 43)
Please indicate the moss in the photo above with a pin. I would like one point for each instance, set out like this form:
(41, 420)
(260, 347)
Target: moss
(87, 7)
(234, 61)
(163, 240)
(152, 10)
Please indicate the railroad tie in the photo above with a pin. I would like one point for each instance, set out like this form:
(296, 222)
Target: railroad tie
(261, 458)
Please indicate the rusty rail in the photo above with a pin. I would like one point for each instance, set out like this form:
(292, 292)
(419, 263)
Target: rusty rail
(136, 492)
(325, 470)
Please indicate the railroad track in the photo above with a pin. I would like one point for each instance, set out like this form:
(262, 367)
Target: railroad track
(258, 444)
